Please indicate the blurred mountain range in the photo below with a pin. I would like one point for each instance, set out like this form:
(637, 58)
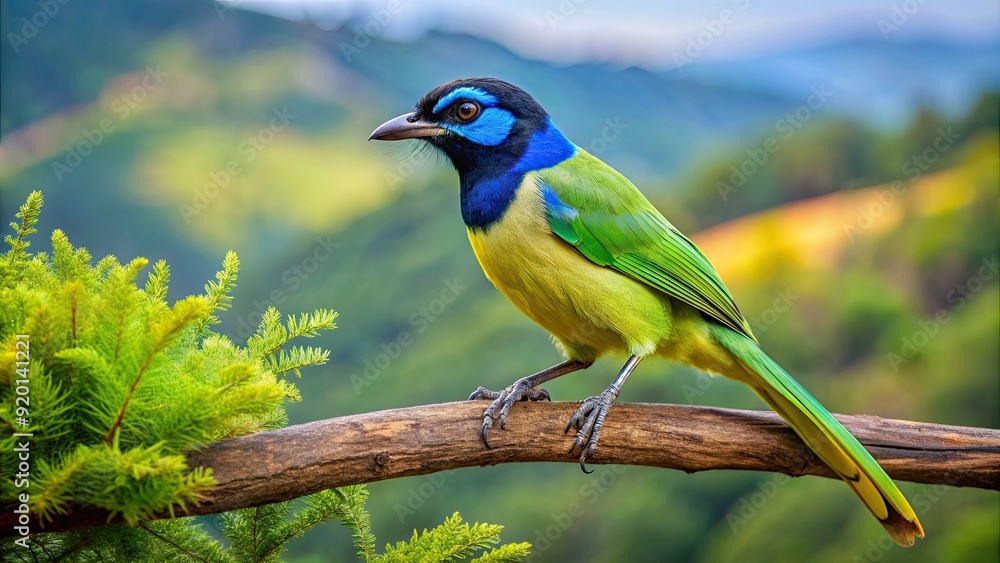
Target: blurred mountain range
(226, 70)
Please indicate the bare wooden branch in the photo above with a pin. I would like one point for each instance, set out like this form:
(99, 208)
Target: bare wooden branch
(299, 460)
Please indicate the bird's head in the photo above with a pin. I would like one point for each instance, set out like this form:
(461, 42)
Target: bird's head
(485, 126)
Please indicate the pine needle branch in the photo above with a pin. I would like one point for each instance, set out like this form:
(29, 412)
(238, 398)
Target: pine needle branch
(156, 284)
(356, 518)
(185, 311)
(219, 292)
(173, 544)
(28, 214)
(271, 335)
(297, 358)
(122, 385)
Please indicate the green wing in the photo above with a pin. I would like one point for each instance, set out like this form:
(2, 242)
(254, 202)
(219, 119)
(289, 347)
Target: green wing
(597, 210)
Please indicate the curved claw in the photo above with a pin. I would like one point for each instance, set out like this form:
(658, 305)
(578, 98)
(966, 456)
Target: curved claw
(486, 441)
(482, 393)
(575, 419)
(588, 419)
(520, 390)
(576, 444)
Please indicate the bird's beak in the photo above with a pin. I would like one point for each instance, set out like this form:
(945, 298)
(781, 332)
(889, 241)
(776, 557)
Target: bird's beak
(406, 126)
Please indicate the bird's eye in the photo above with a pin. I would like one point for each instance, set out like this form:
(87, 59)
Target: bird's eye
(468, 111)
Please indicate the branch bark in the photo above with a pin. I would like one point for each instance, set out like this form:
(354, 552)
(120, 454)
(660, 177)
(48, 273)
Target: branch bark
(300, 460)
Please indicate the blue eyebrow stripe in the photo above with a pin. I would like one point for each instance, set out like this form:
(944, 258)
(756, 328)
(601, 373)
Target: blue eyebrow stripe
(467, 92)
(491, 129)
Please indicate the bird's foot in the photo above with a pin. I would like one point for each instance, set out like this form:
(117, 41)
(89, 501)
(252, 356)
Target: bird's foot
(589, 419)
(520, 390)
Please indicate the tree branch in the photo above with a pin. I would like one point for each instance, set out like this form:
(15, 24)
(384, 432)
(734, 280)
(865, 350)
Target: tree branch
(300, 460)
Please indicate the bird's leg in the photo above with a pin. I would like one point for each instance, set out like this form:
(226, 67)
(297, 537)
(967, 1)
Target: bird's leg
(589, 418)
(523, 389)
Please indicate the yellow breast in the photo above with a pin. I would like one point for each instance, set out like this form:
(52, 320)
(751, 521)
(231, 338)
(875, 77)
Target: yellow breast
(590, 309)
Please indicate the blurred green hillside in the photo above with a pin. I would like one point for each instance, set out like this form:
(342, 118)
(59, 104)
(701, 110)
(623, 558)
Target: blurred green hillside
(846, 246)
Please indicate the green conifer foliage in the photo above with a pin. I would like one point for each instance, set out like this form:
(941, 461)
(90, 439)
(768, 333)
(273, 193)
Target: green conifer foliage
(116, 384)
(121, 382)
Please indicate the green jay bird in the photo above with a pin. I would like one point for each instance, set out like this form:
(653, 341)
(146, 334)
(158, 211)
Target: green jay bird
(577, 248)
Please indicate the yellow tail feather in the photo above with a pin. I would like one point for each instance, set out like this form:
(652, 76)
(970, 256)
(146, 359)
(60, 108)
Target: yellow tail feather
(831, 442)
(902, 529)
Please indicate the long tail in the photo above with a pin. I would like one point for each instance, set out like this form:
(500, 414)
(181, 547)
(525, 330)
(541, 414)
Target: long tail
(837, 447)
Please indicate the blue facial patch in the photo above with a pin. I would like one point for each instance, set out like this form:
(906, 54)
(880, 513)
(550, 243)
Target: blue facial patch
(465, 93)
(490, 128)
(485, 200)
(546, 148)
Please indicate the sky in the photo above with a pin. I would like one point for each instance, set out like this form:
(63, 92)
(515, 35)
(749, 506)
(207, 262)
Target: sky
(655, 34)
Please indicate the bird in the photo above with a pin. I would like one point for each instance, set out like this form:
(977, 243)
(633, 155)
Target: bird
(578, 249)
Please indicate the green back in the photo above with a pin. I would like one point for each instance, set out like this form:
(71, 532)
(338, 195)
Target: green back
(611, 223)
